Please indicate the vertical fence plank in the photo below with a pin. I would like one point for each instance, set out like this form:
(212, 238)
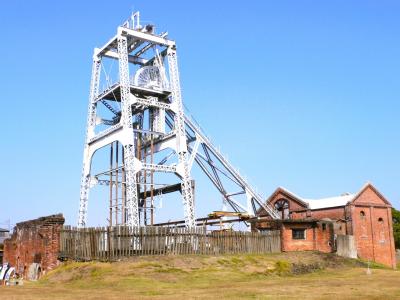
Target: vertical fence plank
(113, 243)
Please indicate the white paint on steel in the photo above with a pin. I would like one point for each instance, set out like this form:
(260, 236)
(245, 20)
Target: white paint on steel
(152, 89)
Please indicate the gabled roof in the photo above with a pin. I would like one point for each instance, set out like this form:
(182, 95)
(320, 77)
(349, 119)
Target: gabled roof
(327, 202)
(289, 194)
(371, 186)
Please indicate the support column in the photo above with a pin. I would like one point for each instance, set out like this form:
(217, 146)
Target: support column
(249, 204)
(91, 123)
(110, 216)
(181, 146)
(129, 147)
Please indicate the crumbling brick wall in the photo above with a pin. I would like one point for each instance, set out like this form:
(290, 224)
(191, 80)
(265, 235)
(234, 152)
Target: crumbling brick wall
(34, 241)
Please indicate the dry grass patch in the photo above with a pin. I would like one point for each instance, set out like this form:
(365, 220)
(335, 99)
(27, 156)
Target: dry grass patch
(272, 276)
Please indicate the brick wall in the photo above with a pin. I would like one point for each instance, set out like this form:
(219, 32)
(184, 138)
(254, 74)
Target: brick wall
(333, 213)
(372, 227)
(290, 244)
(324, 236)
(35, 241)
(318, 236)
(374, 235)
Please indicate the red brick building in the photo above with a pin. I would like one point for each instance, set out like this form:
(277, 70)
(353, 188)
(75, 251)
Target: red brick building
(301, 234)
(35, 241)
(310, 224)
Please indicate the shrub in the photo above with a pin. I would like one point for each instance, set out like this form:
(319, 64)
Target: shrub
(396, 227)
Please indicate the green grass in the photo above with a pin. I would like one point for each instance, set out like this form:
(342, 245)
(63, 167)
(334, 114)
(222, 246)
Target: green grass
(300, 275)
(372, 264)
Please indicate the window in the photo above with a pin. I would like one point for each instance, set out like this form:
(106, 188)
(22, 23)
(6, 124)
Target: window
(323, 226)
(363, 221)
(298, 234)
(382, 235)
(282, 206)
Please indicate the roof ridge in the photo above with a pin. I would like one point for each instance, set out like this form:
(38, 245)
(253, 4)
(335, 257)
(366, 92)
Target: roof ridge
(350, 195)
(290, 192)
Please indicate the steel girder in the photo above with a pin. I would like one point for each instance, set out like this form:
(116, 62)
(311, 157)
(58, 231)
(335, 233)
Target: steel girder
(224, 168)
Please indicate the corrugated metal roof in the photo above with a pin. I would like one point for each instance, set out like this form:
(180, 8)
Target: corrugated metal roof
(329, 202)
(323, 202)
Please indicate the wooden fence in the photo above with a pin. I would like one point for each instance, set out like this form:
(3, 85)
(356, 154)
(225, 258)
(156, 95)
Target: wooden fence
(113, 243)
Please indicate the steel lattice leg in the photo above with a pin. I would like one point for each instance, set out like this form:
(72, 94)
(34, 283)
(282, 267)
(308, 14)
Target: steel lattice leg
(187, 191)
(83, 204)
(91, 122)
(131, 187)
(187, 194)
(126, 119)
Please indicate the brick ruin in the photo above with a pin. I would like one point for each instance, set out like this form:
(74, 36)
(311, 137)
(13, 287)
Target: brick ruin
(365, 215)
(34, 241)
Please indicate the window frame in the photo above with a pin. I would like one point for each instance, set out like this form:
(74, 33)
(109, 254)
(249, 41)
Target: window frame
(282, 205)
(304, 230)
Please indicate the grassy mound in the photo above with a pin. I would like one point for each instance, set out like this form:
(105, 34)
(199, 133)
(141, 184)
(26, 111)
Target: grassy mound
(297, 275)
(171, 268)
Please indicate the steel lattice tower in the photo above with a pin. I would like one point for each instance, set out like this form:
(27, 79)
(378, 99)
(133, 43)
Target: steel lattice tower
(149, 120)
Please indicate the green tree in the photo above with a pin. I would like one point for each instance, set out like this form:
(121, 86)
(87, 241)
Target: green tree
(396, 227)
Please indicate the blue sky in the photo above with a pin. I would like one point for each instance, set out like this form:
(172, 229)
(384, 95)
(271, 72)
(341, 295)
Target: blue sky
(300, 94)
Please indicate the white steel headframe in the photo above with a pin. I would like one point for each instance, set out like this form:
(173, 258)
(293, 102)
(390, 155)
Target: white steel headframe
(165, 110)
(125, 42)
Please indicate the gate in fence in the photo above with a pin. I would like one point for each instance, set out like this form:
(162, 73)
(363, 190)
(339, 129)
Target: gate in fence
(113, 243)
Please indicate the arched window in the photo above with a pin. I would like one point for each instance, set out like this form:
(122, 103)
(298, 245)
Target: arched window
(382, 231)
(363, 223)
(282, 206)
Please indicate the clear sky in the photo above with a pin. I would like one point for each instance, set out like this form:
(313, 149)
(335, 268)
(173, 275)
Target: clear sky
(300, 94)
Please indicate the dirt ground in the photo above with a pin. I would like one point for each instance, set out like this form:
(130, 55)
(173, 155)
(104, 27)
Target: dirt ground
(304, 275)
